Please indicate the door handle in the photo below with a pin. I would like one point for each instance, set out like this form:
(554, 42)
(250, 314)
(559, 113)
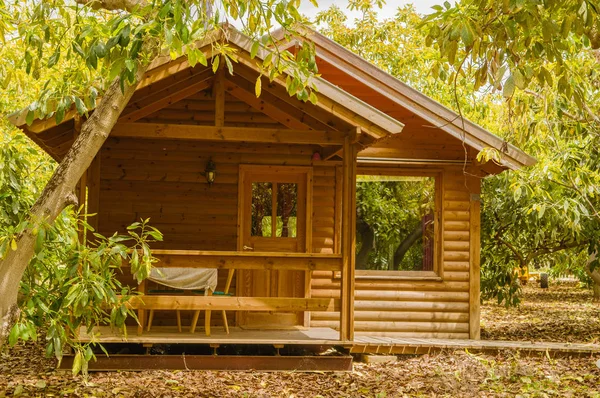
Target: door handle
(248, 248)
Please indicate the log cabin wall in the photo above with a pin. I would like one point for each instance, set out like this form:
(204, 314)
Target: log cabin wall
(162, 180)
(405, 307)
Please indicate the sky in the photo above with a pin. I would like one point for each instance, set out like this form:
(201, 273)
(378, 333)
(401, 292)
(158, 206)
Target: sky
(389, 9)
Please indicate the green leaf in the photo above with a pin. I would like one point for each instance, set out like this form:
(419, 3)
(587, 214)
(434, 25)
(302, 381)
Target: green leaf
(115, 69)
(254, 49)
(13, 337)
(229, 65)
(451, 52)
(54, 58)
(60, 113)
(517, 194)
(81, 109)
(30, 117)
(215, 63)
(202, 58)
(268, 60)
(39, 240)
(258, 86)
(541, 211)
(509, 87)
(192, 57)
(519, 79)
(129, 64)
(467, 34)
(100, 50)
(77, 363)
(124, 36)
(92, 60)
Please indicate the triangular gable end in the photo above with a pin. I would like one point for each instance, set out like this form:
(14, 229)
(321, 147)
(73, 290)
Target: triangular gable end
(169, 81)
(373, 85)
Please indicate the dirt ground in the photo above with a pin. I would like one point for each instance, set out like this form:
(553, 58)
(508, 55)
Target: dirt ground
(562, 313)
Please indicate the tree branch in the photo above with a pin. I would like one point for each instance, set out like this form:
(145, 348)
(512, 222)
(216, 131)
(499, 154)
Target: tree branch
(567, 114)
(550, 250)
(512, 249)
(114, 5)
(574, 188)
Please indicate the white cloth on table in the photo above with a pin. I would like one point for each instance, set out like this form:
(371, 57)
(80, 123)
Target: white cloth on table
(185, 278)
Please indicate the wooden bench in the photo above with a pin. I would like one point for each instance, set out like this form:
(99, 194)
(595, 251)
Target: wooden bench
(178, 292)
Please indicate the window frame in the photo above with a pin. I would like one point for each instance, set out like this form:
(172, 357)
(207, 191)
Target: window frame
(277, 174)
(437, 273)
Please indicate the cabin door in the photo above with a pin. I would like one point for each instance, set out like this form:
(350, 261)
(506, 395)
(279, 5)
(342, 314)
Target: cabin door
(273, 202)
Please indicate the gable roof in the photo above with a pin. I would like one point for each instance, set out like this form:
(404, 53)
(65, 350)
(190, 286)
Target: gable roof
(341, 97)
(331, 98)
(395, 91)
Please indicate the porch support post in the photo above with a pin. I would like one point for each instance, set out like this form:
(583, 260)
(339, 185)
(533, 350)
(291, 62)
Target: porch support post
(474, 258)
(348, 237)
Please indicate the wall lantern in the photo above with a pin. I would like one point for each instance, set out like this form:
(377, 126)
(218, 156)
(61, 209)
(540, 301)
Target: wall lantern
(210, 172)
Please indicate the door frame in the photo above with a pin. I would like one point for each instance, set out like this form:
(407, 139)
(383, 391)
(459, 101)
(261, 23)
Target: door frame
(246, 170)
(280, 171)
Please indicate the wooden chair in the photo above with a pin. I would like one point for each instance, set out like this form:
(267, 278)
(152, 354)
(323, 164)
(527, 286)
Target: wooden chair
(159, 292)
(207, 313)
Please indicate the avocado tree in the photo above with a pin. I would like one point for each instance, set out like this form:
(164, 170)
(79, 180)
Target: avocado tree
(543, 58)
(83, 50)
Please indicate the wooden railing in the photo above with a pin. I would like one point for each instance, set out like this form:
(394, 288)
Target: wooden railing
(248, 260)
(241, 261)
(270, 304)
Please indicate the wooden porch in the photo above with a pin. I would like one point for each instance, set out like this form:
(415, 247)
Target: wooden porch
(361, 344)
(233, 262)
(170, 335)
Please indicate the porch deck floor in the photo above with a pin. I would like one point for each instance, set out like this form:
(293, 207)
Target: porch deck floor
(391, 345)
(170, 335)
(328, 336)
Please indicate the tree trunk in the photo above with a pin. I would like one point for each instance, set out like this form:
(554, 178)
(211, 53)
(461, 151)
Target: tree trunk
(595, 275)
(58, 193)
(367, 237)
(407, 244)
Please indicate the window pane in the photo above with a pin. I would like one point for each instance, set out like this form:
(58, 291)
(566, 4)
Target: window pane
(262, 204)
(287, 198)
(394, 223)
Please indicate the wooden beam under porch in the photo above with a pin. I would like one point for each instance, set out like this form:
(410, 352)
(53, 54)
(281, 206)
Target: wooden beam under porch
(170, 335)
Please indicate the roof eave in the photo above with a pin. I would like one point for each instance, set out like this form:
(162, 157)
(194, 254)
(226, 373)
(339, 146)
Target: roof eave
(471, 133)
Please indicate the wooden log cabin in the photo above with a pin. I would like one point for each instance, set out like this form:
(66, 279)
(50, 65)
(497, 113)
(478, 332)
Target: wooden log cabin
(280, 221)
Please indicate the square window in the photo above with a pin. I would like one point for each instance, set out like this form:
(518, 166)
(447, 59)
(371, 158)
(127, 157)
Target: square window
(396, 223)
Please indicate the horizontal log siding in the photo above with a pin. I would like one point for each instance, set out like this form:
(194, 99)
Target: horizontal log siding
(405, 308)
(323, 216)
(162, 180)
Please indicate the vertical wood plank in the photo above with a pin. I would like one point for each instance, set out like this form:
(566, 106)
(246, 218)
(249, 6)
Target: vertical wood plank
(439, 229)
(474, 256)
(219, 96)
(141, 313)
(337, 233)
(309, 213)
(241, 276)
(352, 236)
(348, 240)
(308, 245)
